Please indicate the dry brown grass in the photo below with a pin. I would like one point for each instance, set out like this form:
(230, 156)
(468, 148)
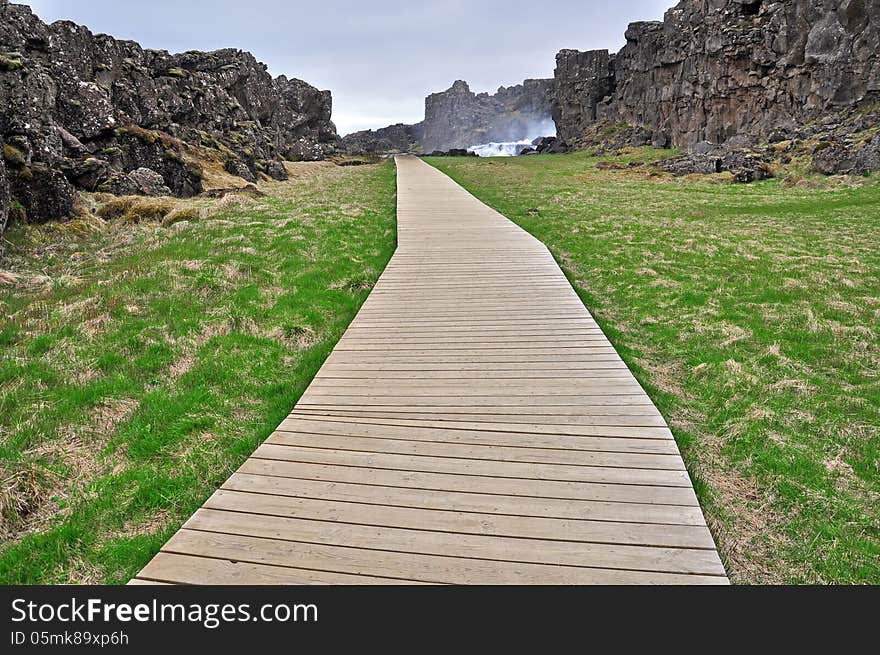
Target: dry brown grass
(135, 209)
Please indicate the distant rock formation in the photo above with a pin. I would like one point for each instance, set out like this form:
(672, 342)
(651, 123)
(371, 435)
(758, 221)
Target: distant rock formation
(393, 139)
(459, 118)
(725, 71)
(83, 111)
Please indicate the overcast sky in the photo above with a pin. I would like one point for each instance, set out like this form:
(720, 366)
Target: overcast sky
(379, 57)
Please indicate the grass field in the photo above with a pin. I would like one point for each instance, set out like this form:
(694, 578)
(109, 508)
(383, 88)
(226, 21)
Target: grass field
(141, 363)
(751, 314)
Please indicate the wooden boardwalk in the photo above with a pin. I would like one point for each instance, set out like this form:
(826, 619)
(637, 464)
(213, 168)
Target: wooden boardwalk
(473, 426)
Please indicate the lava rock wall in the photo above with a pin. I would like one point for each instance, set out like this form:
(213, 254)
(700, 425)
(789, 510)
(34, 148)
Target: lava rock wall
(79, 110)
(726, 71)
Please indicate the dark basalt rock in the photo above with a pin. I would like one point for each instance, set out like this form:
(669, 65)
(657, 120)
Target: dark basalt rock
(242, 170)
(275, 170)
(696, 163)
(745, 166)
(163, 154)
(868, 158)
(393, 139)
(833, 158)
(43, 192)
(88, 174)
(452, 152)
(582, 80)
(140, 182)
(4, 195)
(843, 157)
(732, 72)
(459, 118)
(550, 145)
(79, 103)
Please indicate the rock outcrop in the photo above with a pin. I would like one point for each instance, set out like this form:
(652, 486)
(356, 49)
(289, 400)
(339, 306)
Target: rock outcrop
(393, 139)
(581, 82)
(79, 110)
(726, 71)
(459, 118)
(4, 194)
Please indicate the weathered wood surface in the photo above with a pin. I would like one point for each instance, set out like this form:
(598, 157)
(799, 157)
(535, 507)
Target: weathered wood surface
(473, 426)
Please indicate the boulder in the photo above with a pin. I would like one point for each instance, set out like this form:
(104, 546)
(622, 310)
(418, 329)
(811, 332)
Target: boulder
(239, 168)
(276, 170)
(744, 165)
(693, 164)
(163, 154)
(831, 158)
(88, 174)
(140, 182)
(551, 145)
(44, 193)
(868, 158)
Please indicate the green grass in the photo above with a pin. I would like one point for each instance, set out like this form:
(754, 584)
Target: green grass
(140, 364)
(750, 314)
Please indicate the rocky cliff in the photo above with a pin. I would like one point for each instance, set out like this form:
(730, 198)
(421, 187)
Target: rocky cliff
(4, 194)
(393, 139)
(735, 71)
(86, 111)
(460, 118)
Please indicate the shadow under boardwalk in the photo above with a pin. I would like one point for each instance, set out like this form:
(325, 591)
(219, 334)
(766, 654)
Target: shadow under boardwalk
(473, 426)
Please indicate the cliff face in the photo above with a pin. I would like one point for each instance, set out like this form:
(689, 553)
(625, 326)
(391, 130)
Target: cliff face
(716, 70)
(79, 110)
(393, 139)
(460, 118)
(582, 81)
(4, 194)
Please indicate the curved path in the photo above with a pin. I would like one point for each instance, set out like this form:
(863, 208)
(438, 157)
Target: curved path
(473, 425)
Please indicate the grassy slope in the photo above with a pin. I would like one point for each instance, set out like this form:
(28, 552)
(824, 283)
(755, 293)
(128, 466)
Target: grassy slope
(750, 314)
(140, 365)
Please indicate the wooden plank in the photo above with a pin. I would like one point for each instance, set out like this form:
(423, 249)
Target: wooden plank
(523, 454)
(389, 564)
(609, 397)
(371, 493)
(566, 418)
(436, 541)
(562, 490)
(657, 444)
(493, 468)
(584, 531)
(635, 432)
(200, 570)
